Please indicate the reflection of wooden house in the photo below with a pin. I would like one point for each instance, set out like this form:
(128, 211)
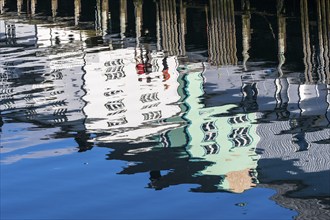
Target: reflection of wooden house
(228, 141)
(127, 105)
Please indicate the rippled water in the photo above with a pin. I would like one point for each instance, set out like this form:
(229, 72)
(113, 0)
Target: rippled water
(167, 109)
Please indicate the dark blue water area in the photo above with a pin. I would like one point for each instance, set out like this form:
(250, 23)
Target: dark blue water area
(87, 186)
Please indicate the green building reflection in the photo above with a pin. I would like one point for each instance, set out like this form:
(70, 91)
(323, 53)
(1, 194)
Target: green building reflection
(228, 141)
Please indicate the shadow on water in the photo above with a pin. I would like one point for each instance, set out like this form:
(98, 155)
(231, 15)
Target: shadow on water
(226, 95)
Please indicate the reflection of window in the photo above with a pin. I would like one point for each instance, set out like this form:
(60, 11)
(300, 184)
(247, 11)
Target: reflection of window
(113, 92)
(115, 105)
(114, 76)
(211, 148)
(152, 115)
(56, 74)
(60, 120)
(117, 122)
(208, 126)
(60, 111)
(238, 119)
(117, 112)
(151, 106)
(210, 136)
(113, 73)
(30, 112)
(117, 62)
(150, 97)
(7, 104)
(240, 137)
(115, 69)
(56, 92)
(59, 103)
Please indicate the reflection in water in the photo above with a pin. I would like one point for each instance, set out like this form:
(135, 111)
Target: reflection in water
(221, 33)
(54, 8)
(77, 11)
(246, 31)
(281, 34)
(217, 114)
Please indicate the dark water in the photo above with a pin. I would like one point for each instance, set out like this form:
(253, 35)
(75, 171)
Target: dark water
(166, 109)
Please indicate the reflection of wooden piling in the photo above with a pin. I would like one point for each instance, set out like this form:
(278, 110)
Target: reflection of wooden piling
(33, 7)
(306, 40)
(2, 6)
(123, 18)
(169, 27)
(281, 22)
(98, 15)
(54, 8)
(158, 34)
(182, 29)
(19, 6)
(323, 34)
(138, 20)
(327, 35)
(77, 11)
(105, 16)
(221, 33)
(246, 31)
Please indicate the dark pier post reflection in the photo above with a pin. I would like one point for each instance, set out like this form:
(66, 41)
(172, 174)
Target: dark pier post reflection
(54, 8)
(169, 27)
(105, 17)
(316, 50)
(221, 33)
(281, 22)
(123, 20)
(2, 5)
(323, 23)
(19, 7)
(138, 20)
(102, 17)
(98, 18)
(158, 31)
(33, 7)
(77, 11)
(306, 40)
(182, 28)
(281, 83)
(246, 31)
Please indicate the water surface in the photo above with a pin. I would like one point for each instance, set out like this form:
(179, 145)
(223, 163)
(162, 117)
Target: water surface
(167, 109)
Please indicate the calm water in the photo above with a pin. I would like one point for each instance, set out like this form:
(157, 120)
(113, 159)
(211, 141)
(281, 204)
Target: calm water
(169, 109)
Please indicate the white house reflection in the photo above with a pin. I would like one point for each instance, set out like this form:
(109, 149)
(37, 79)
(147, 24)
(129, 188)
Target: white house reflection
(130, 100)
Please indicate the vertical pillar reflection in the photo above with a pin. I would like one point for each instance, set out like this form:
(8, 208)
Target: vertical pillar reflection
(54, 8)
(281, 22)
(323, 21)
(221, 33)
(77, 11)
(2, 5)
(169, 26)
(246, 31)
(158, 31)
(138, 20)
(105, 17)
(33, 7)
(98, 18)
(19, 7)
(306, 40)
(123, 18)
(182, 29)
